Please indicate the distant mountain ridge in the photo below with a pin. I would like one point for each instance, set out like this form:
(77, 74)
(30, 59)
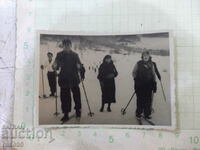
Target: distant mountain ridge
(119, 44)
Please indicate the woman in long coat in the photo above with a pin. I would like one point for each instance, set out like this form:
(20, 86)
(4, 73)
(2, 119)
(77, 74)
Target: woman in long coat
(106, 76)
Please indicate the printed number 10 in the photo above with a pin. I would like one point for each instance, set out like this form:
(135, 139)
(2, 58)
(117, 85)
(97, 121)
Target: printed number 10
(194, 140)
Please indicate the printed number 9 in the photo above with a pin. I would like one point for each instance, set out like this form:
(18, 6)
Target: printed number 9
(127, 135)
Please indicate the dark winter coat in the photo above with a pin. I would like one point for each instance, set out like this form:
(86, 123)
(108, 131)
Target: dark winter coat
(107, 84)
(144, 76)
(68, 63)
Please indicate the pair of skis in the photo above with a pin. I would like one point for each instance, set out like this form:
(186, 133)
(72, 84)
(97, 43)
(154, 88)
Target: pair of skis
(140, 121)
(123, 110)
(70, 117)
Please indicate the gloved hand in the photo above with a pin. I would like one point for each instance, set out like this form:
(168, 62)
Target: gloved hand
(54, 66)
(159, 77)
(82, 72)
(42, 67)
(82, 78)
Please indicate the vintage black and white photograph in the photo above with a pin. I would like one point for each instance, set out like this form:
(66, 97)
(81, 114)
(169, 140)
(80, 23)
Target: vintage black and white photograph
(124, 79)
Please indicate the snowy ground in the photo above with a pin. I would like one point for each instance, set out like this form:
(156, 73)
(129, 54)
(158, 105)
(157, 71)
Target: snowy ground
(124, 90)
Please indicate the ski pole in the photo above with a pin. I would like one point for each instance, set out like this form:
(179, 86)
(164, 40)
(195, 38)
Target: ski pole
(90, 112)
(163, 91)
(44, 96)
(56, 113)
(123, 110)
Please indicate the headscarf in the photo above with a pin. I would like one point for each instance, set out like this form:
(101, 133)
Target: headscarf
(107, 57)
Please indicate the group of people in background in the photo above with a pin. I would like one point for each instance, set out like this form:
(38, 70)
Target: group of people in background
(72, 72)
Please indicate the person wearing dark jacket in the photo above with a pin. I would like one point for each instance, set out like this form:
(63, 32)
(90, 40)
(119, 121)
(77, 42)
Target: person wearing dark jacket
(106, 76)
(145, 85)
(70, 75)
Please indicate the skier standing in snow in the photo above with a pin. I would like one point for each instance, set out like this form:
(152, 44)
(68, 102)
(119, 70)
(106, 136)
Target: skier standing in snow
(106, 76)
(51, 74)
(70, 67)
(145, 84)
